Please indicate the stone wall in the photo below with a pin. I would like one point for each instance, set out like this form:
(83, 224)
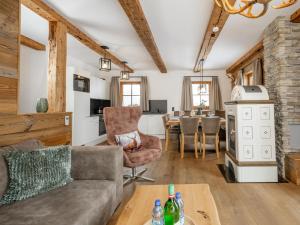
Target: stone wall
(282, 79)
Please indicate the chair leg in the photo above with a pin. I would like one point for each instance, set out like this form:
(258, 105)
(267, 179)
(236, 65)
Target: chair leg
(203, 146)
(167, 139)
(136, 175)
(196, 145)
(182, 146)
(217, 145)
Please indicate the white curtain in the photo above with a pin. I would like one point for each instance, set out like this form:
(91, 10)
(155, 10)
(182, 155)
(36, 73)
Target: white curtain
(144, 94)
(217, 103)
(257, 72)
(187, 95)
(240, 78)
(115, 97)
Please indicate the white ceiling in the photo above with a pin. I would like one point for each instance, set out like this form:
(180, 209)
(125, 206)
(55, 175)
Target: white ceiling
(178, 28)
(240, 34)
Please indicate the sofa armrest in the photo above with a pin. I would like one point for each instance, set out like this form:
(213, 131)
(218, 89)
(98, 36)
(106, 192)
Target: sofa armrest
(99, 163)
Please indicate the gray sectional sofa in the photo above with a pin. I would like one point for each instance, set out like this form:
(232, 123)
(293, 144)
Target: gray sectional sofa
(90, 199)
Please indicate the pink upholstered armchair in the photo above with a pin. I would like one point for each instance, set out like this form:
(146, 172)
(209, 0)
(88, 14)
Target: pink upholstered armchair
(121, 120)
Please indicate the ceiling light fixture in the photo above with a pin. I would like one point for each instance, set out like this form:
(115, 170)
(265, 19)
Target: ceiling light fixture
(105, 63)
(124, 75)
(247, 6)
(215, 29)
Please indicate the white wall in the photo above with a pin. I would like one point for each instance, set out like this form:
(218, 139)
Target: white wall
(33, 78)
(168, 86)
(85, 127)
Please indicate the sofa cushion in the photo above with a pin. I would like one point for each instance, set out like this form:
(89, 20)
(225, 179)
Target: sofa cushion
(82, 202)
(35, 172)
(28, 145)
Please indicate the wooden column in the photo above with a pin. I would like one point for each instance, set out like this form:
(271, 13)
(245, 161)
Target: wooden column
(57, 67)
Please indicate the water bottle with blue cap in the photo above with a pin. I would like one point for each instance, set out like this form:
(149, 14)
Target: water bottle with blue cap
(157, 214)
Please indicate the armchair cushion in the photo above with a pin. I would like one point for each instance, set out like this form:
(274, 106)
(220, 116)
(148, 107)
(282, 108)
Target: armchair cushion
(130, 141)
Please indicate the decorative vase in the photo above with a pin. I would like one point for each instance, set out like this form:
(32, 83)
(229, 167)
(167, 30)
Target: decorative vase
(42, 105)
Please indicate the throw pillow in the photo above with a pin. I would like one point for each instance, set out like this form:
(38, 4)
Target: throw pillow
(35, 172)
(130, 141)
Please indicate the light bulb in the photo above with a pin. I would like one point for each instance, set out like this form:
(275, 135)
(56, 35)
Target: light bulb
(215, 29)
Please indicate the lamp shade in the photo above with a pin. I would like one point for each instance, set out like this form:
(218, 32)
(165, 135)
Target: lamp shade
(124, 75)
(105, 64)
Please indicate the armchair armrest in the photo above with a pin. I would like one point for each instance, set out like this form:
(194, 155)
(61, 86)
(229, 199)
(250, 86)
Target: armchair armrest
(98, 163)
(149, 141)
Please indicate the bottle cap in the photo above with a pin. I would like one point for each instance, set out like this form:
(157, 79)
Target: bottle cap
(171, 189)
(157, 202)
(178, 195)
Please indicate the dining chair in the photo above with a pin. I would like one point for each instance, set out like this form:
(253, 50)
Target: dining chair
(210, 129)
(169, 130)
(189, 129)
(187, 113)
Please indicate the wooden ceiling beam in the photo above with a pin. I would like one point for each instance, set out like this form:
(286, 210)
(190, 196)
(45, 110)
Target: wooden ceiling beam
(295, 17)
(32, 43)
(244, 60)
(135, 13)
(45, 11)
(218, 19)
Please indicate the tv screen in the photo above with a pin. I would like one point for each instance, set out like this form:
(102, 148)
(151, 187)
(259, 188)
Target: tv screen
(158, 106)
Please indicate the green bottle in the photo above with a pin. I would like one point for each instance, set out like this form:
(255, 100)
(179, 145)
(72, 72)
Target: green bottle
(171, 209)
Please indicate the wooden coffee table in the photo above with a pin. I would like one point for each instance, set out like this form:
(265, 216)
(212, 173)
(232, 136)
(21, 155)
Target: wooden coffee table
(199, 204)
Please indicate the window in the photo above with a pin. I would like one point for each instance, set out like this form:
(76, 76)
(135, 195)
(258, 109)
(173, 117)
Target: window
(201, 93)
(248, 78)
(131, 93)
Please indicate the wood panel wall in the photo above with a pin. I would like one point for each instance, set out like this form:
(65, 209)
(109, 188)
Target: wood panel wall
(50, 128)
(9, 55)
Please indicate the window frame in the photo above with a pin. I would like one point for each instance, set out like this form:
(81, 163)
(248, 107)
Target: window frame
(209, 92)
(247, 78)
(131, 83)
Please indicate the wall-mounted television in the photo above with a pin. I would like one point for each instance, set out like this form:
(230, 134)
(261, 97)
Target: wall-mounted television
(81, 83)
(158, 106)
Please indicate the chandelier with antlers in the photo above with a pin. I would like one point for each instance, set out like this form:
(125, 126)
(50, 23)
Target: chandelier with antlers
(247, 6)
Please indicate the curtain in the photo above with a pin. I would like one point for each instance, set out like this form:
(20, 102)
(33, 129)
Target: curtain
(115, 97)
(257, 72)
(187, 94)
(239, 79)
(144, 94)
(217, 103)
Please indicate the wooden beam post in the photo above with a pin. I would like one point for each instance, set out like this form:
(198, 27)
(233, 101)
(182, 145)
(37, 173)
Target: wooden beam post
(41, 8)
(247, 58)
(31, 43)
(57, 67)
(295, 17)
(218, 19)
(134, 11)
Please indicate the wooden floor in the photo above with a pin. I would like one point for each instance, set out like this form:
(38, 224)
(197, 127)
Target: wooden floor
(238, 204)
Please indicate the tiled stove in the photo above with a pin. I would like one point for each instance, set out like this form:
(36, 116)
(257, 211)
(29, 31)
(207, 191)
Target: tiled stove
(251, 135)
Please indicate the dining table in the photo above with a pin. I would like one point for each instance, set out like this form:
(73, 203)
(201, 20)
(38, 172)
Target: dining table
(175, 121)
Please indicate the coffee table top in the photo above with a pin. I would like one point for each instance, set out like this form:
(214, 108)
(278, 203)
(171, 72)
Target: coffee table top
(199, 204)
